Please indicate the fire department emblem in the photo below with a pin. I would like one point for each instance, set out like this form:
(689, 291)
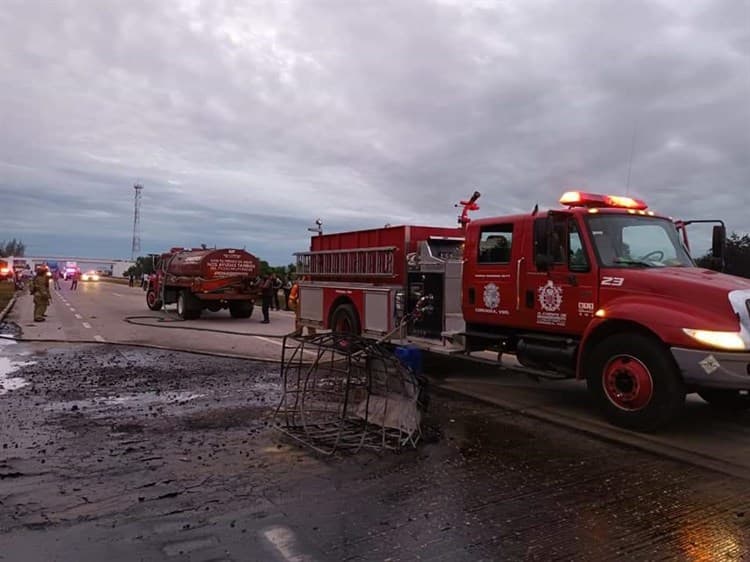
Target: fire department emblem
(550, 297)
(491, 296)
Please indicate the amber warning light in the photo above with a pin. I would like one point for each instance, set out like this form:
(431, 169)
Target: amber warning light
(593, 200)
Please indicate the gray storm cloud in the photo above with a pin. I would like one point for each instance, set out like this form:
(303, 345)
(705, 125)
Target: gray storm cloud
(247, 120)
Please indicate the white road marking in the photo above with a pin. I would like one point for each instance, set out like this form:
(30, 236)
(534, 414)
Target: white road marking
(268, 340)
(72, 309)
(280, 343)
(87, 325)
(99, 338)
(118, 295)
(79, 317)
(283, 540)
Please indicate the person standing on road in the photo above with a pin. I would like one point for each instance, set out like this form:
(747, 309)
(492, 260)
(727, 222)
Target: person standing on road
(287, 291)
(74, 280)
(266, 293)
(277, 284)
(56, 279)
(40, 289)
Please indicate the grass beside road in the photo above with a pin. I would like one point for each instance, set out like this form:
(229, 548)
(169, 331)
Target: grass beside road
(7, 288)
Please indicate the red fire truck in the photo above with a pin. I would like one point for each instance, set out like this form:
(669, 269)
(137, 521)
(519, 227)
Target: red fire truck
(199, 278)
(602, 289)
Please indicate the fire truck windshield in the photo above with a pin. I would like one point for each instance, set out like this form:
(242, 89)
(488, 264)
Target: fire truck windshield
(637, 241)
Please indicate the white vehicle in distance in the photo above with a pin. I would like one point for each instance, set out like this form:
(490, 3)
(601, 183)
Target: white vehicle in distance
(90, 276)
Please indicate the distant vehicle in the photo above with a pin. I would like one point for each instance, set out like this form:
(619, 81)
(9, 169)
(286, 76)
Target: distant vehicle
(71, 267)
(201, 279)
(6, 271)
(90, 276)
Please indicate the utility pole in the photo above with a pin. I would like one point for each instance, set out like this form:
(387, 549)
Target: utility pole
(136, 223)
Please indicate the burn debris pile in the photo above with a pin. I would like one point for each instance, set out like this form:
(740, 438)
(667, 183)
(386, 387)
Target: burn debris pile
(345, 393)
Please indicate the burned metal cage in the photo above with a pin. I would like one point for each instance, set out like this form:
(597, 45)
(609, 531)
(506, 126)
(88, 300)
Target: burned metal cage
(342, 392)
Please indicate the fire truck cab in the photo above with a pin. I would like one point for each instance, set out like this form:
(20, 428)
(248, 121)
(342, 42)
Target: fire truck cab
(602, 289)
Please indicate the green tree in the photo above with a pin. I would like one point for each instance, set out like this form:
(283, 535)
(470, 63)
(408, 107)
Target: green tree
(143, 264)
(12, 247)
(737, 255)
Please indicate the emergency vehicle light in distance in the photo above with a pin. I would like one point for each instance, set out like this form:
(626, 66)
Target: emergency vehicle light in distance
(593, 200)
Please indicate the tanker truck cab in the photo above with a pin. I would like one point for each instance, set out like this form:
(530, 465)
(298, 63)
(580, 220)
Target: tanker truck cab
(605, 290)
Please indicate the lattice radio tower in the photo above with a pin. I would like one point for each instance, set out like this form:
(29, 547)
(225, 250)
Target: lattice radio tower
(136, 222)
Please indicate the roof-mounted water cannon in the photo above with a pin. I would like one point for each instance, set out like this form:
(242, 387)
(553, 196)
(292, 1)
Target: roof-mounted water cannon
(596, 201)
(468, 206)
(317, 228)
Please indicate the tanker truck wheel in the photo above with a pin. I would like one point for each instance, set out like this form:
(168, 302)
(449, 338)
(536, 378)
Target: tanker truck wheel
(188, 307)
(152, 300)
(635, 382)
(241, 309)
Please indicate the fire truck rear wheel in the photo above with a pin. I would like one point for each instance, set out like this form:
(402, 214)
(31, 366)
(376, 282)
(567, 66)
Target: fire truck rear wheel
(726, 399)
(152, 300)
(188, 307)
(240, 309)
(635, 382)
(345, 320)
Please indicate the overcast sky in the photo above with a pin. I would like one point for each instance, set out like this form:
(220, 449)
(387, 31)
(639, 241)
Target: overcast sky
(246, 120)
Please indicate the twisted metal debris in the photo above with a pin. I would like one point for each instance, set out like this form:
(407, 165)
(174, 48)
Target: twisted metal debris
(342, 392)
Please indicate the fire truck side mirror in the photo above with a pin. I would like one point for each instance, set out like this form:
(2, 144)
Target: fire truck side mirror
(718, 247)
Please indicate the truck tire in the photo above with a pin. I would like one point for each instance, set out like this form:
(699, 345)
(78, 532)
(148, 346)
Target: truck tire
(152, 300)
(725, 399)
(241, 309)
(345, 320)
(635, 382)
(188, 307)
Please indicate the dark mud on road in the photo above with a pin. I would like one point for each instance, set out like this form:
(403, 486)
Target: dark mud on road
(125, 454)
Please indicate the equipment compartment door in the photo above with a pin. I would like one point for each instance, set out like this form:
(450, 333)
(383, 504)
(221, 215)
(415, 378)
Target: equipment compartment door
(421, 284)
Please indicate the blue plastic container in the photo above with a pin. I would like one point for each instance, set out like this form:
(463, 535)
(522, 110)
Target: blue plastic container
(411, 357)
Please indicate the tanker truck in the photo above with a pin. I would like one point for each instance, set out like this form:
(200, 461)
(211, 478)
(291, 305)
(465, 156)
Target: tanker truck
(198, 279)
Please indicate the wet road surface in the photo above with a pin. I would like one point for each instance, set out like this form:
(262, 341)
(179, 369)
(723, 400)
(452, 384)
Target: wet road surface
(122, 454)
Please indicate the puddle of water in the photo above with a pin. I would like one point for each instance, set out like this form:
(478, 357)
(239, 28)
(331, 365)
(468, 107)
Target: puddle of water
(8, 383)
(141, 399)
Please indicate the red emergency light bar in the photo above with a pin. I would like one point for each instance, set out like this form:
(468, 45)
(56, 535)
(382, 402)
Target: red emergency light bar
(594, 200)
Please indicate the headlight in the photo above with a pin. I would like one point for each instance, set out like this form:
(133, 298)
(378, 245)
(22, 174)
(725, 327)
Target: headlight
(723, 340)
(95, 278)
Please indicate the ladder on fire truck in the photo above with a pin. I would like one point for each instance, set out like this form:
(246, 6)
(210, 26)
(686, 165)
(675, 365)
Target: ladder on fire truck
(354, 262)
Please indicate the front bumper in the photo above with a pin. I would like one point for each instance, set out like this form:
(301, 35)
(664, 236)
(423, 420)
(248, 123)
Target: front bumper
(713, 369)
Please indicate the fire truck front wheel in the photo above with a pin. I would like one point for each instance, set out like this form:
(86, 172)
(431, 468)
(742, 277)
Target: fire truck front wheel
(152, 300)
(345, 320)
(635, 382)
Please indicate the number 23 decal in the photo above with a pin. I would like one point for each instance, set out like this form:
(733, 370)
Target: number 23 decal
(612, 281)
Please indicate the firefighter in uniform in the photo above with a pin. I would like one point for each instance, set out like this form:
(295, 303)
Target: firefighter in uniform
(40, 289)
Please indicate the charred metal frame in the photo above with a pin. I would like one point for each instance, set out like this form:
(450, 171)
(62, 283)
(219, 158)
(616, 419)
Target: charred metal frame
(346, 393)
